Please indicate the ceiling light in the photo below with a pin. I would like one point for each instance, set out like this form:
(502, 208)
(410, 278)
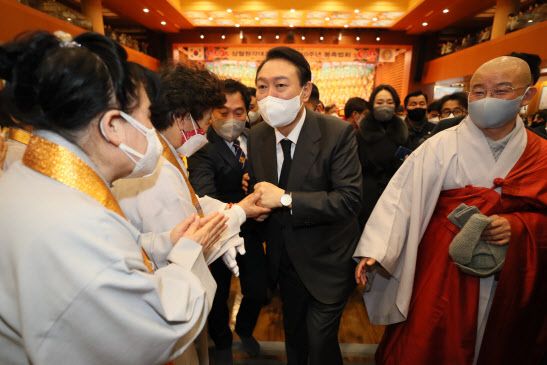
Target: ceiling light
(292, 25)
(374, 19)
(211, 18)
(292, 10)
(529, 21)
(327, 18)
(378, 38)
(237, 25)
(69, 19)
(202, 36)
(145, 10)
(259, 35)
(223, 35)
(345, 25)
(340, 36)
(446, 11)
(357, 38)
(424, 24)
(303, 37)
(356, 11)
(277, 36)
(229, 10)
(241, 34)
(257, 18)
(163, 23)
(321, 38)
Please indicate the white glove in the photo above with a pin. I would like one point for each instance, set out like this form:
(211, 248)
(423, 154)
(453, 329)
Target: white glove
(229, 259)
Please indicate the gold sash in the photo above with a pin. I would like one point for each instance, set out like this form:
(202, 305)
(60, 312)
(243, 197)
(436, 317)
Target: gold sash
(62, 165)
(19, 135)
(169, 156)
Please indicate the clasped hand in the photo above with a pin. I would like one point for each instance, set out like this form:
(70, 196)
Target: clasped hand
(205, 231)
(498, 232)
(270, 195)
(252, 209)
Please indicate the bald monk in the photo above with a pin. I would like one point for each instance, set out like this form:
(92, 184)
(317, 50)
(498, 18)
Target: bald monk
(435, 312)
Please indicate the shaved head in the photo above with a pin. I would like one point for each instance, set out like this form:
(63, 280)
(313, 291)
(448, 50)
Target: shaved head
(505, 69)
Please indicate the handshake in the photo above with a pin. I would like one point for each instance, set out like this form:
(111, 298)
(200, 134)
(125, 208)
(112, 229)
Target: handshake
(269, 194)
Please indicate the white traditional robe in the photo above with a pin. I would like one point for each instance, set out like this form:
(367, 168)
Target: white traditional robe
(162, 201)
(452, 159)
(74, 286)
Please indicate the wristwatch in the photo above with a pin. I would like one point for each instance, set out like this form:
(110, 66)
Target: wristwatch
(286, 199)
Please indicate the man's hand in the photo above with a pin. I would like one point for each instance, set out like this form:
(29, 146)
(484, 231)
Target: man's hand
(251, 209)
(361, 270)
(498, 232)
(245, 183)
(271, 195)
(3, 151)
(205, 231)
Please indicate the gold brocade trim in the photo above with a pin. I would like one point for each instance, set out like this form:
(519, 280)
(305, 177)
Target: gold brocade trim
(19, 135)
(169, 156)
(60, 164)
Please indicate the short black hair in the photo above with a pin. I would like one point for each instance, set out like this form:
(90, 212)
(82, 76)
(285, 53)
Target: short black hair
(185, 89)
(314, 93)
(414, 94)
(62, 87)
(533, 61)
(435, 105)
(460, 97)
(292, 56)
(232, 86)
(150, 80)
(355, 104)
(391, 90)
(251, 90)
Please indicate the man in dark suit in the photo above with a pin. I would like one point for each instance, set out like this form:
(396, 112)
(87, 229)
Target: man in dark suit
(216, 170)
(305, 164)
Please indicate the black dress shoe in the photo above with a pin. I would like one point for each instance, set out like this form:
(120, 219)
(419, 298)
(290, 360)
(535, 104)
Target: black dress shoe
(224, 357)
(250, 345)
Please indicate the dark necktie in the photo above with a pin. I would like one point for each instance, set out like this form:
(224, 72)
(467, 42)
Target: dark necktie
(286, 167)
(240, 155)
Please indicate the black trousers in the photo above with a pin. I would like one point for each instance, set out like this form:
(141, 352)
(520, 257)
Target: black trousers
(311, 327)
(253, 276)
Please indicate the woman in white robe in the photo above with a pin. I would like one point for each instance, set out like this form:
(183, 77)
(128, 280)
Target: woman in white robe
(157, 202)
(76, 287)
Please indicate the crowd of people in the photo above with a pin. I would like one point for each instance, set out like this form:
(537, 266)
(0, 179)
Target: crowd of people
(530, 13)
(130, 198)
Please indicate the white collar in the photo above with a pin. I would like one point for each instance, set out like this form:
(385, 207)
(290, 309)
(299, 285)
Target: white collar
(293, 136)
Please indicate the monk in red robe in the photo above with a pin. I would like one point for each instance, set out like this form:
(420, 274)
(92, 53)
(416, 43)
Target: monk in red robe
(436, 313)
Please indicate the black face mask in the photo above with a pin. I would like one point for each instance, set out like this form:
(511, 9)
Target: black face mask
(416, 114)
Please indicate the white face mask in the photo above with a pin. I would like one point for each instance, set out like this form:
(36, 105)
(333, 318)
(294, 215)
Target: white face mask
(494, 112)
(192, 141)
(280, 112)
(253, 116)
(229, 129)
(434, 120)
(146, 165)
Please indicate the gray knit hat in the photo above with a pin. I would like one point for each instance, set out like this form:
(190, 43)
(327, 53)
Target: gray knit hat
(473, 255)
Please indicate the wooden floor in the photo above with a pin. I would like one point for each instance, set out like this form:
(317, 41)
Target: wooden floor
(355, 327)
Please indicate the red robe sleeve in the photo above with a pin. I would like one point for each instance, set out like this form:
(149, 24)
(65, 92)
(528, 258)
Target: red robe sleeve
(516, 331)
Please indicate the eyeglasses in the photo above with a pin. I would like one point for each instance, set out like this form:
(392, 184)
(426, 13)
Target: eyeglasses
(456, 111)
(496, 92)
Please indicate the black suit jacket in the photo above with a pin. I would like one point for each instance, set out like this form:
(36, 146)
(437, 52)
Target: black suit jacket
(215, 171)
(325, 180)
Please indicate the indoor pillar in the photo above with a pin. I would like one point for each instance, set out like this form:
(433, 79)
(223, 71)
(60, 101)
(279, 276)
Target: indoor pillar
(93, 9)
(501, 16)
